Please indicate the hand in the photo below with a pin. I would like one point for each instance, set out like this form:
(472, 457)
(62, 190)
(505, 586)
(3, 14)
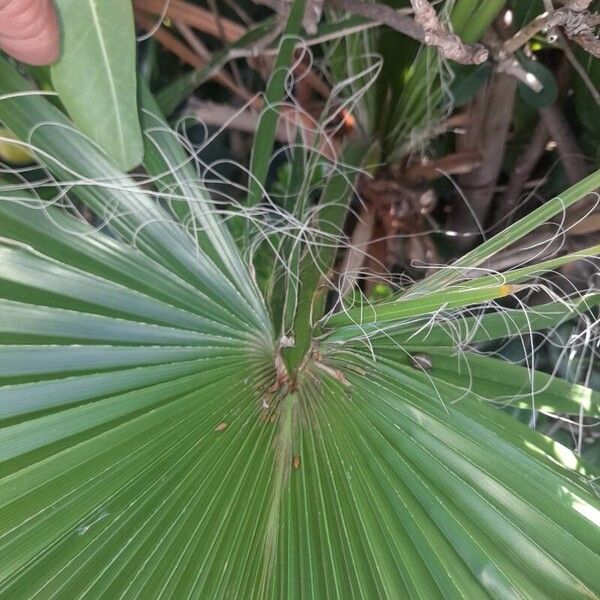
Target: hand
(29, 31)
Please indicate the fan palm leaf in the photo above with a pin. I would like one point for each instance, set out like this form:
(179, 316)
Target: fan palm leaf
(153, 445)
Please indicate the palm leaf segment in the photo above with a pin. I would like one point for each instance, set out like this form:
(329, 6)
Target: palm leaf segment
(150, 447)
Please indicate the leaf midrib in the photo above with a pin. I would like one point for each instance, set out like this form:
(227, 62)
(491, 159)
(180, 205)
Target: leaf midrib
(106, 64)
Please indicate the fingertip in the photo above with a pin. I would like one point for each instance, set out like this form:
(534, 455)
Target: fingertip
(29, 31)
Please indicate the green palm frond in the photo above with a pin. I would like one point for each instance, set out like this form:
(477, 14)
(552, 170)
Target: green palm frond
(153, 443)
(412, 94)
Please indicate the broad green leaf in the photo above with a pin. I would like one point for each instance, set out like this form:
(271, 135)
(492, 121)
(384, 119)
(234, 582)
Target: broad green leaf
(96, 77)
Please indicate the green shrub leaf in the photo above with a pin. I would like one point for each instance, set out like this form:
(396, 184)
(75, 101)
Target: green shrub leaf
(95, 76)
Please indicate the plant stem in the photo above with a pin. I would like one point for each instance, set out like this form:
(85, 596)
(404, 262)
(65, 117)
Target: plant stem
(315, 264)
